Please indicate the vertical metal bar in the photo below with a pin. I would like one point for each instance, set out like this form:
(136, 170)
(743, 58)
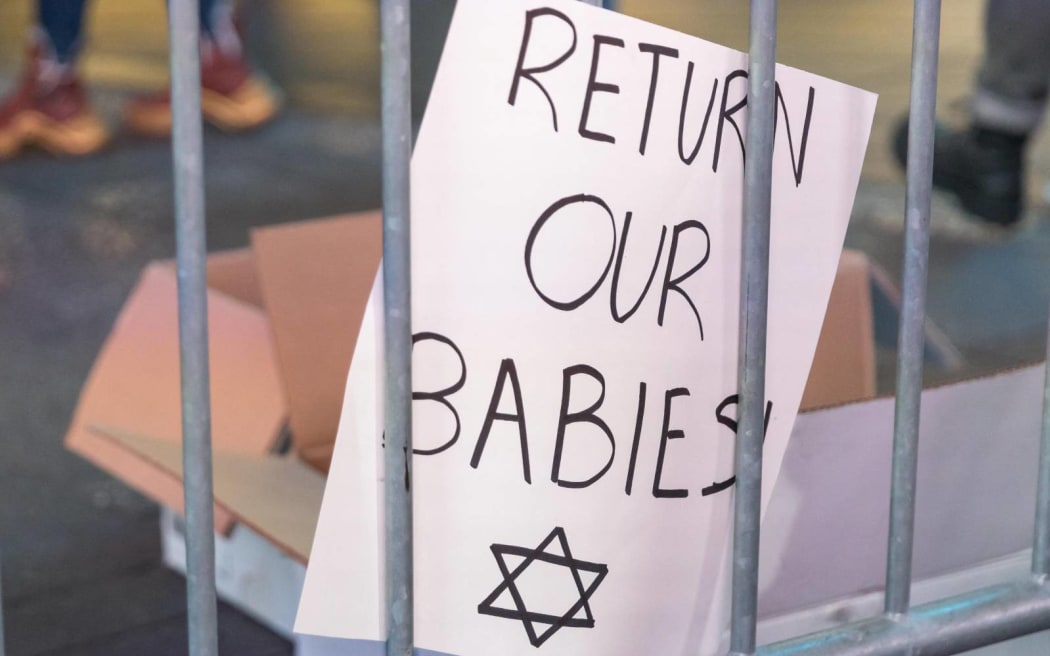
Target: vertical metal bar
(925, 38)
(397, 279)
(1, 605)
(754, 290)
(1041, 543)
(187, 148)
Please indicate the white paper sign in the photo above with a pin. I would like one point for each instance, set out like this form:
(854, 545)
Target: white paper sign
(576, 200)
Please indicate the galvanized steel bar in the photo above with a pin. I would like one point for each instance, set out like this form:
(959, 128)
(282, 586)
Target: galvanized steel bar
(397, 279)
(925, 37)
(940, 628)
(2, 642)
(754, 289)
(187, 148)
(1041, 543)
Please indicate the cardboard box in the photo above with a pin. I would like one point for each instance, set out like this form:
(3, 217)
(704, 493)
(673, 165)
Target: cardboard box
(279, 354)
(824, 535)
(316, 277)
(281, 350)
(282, 326)
(133, 388)
(283, 319)
(844, 364)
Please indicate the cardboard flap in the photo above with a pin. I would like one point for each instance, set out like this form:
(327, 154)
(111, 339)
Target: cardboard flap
(844, 364)
(824, 536)
(134, 384)
(316, 277)
(278, 497)
(232, 273)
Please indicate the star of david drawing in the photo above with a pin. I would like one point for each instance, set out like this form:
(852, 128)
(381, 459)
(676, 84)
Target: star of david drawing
(578, 615)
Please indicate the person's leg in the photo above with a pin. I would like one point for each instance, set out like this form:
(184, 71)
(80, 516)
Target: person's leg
(220, 32)
(50, 108)
(1014, 79)
(983, 164)
(61, 22)
(233, 98)
(208, 8)
(217, 22)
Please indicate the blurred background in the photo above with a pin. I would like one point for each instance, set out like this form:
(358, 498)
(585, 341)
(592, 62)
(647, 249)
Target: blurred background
(81, 571)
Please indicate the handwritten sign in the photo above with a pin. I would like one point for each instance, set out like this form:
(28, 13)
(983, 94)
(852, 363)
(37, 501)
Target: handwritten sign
(576, 203)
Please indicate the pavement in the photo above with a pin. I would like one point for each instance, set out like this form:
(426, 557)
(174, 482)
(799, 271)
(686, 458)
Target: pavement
(81, 553)
(81, 564)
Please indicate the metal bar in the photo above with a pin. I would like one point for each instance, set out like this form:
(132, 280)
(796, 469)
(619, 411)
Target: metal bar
(1041, 543)
(940, 628)
(397, 280)
(187, 149)
(925, 37)
(754, 291)
(1, 605)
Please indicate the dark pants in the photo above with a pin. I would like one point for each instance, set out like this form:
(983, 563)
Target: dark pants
(1014, 80)
(63, 21)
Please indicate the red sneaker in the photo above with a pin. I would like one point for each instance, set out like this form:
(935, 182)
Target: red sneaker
(233, 99)
(50, 109)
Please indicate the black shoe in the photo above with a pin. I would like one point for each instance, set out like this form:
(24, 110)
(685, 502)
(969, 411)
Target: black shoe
(982, 168)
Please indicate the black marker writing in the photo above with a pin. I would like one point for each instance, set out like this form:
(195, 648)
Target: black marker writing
(666, 67)
(796, 164)
(507, 371)
(530, 244)
(673, 285)
(587, 415)
(594, 85)
(637, 439)
(672, 282)
(688, 159)
(618, 266)
(665, 435)
(656, 51)
(730, 423)
(571, 417)
(441, 395)
(520, 72)
(726, 116)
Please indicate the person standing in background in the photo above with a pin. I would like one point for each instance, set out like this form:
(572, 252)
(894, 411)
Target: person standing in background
(982, 165)
(50, 107)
